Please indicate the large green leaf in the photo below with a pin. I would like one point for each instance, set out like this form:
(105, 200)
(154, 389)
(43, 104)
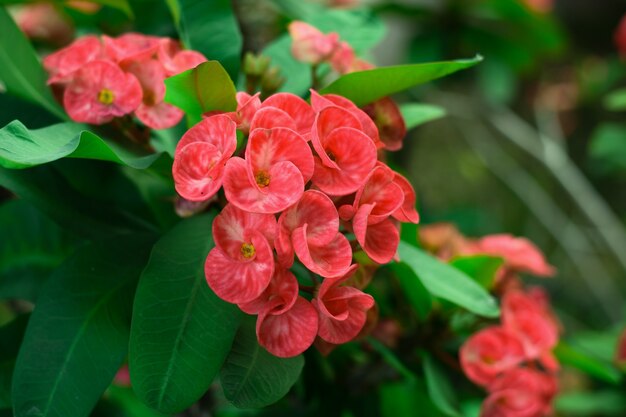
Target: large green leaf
(11, 336)
(581, 360)
(482, 268)
(592, 403)
(415, 114)
(210, 27)
(77, 337)
(20, 70)
(363, 87)
(607, 147)
(252, 377)
(23, 148)
(181, 331)
(202, 89)
(414, 290)
(448, 283)
(439, 389)
(53, 194)
(30, 248)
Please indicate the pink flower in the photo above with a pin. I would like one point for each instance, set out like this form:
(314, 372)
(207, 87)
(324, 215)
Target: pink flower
(620, 36)
(620, 351)
(100, 91)
(342, 309)
(520, 255)
(533, 324)
(240, 266)
(131, 46)
(64, 62)
(201, 155)
(44, 22)
(278, 164)
(343, 58)
(247, 107)
(122, 377)
(490, 352)
(284, 110)
(176, 60)
(367, 125)
(345, 155)
(310, 45)
(520, 392)
(389, 120)
(378, 240)
(407, 213)
(310, 229)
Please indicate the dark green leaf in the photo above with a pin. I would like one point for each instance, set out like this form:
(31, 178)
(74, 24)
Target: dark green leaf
(199, 90)
(210, 27)
(252, 377)
(406, 400)
(11, 336)
(77, 337)
(30, 248)
(392, 360)
(23, 148)
(20, 70)
(415, 114)
(481, 268)
(363, 87)
(605, 403)
(439, 389)
(123, 402)
(616, 101)
(448, 283)
(181, 330)
(577, 358)
(608, 147)
(415, 291)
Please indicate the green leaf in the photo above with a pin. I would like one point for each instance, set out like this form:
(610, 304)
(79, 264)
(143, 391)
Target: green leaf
(77, 337)
(122, 402)
(415, 291)
(210, 27)
(616, 101)
(204, 88)
(405, 400)
(605, 403)
(20, 70)
(11, 336)
(439, 389)
(53, 194)
(481, 268)
(448, 283)
(23, 148)
(121, 5)
(608, 147)
(30, 248)
(181, 331)
(363, 87)
(252, 377)
(392, 360)
(577, 358)
(415, 114)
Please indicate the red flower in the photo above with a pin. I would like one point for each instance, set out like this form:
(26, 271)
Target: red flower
(131, 46)
(389, 121)
(345, 155)
(100, 91)
(247, 107)
(285, 110)
(272, 177)
(342, 309)
(176, 60)
(310, 229)
(407, 213)
(240, 266)
(310, 45)
(490, 352)
(201, 155)
(61, 64)
(620, 36)
(620, 351)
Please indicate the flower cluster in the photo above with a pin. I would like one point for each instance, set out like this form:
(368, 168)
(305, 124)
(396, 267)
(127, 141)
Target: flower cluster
(314, 47)
(307, 176)
(102, 78)
(505, 358)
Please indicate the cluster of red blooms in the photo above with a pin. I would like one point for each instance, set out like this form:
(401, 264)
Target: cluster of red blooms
(512, 360)
(102, 78)
(309, 175)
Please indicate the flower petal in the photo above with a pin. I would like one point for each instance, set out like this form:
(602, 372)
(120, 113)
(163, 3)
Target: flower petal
(198, 171)
(297, 108)
(218, 130)
(380, 241)
(330, 260)
(407, 212)
(270, 117)
(278, 297)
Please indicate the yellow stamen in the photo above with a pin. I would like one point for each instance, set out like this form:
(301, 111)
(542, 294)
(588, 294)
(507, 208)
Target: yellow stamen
(106, 96)
(262, 179)
(247, 250)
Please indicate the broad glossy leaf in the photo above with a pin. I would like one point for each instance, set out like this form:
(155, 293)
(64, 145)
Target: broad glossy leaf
(20, 70)
(53, 194)
(448, 283)
(204, 88)
(385, 81)
(11, 335)
(608, 147)
(415, 114)
(439, 389)
(30, 248)
(414, 290)
(252, 377)
(481, 268)
(181, 331)
(591, 403)
(23, 148)
(77, 337)
(579, 359)
(210, 27)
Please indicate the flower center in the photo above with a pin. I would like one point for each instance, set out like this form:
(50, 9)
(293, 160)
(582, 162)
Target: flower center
(247, 250)
(262, 179)
(106, 96)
